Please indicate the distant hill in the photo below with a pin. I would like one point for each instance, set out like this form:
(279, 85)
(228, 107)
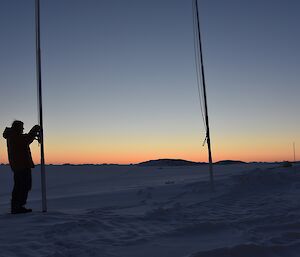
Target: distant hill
(227, 162)
(169, 162)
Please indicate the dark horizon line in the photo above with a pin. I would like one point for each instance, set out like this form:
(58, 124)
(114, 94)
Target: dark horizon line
(221, 162)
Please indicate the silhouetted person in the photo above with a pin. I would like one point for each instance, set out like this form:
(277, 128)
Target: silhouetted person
(21, 162)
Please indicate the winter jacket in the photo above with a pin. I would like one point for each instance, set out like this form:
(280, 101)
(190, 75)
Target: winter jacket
(19, 154)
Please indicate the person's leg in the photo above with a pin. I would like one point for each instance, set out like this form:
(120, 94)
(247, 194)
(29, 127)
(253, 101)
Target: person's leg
(26, 187)
(17, 193)
(22, 185)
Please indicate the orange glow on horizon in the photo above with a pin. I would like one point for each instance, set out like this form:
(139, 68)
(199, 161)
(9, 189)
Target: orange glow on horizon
(127, 151)
(122, 157)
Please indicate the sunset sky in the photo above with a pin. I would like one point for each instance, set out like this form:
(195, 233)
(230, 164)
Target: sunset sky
(119, 79)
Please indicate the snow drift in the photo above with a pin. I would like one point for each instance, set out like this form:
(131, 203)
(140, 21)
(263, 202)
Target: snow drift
(129, 211)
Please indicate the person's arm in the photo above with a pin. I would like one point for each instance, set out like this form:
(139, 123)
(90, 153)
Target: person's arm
(33, 133)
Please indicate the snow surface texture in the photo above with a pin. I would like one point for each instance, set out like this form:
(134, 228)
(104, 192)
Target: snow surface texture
(130, 211)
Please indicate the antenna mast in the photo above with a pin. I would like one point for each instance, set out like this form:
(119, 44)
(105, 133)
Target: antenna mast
(294, 147)
(198, 33)
(40, 103)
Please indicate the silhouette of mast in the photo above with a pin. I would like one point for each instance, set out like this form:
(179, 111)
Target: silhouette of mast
(40, 103)
(205, 98)
(294, 148)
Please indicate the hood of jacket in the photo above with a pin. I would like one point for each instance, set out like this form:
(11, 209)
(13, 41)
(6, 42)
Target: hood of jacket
(8, 132)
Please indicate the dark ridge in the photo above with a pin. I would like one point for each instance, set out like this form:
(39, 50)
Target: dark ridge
(85, 164)
(227, 162)
(169, 162)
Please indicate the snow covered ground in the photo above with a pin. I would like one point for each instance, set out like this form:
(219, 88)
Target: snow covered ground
(131, 211)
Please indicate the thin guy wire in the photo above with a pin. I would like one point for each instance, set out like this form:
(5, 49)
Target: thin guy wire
(197, 63)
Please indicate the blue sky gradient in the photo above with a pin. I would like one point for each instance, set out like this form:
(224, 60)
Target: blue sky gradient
(119, 78)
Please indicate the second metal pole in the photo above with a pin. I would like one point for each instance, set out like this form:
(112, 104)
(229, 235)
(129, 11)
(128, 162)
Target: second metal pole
(205, 103)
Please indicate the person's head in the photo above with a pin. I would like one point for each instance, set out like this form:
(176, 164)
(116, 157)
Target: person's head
(18, 126)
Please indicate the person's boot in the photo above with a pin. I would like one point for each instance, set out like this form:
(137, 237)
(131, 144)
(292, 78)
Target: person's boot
(15, 211)
(25, 210)
(19, 209)
(14, 208)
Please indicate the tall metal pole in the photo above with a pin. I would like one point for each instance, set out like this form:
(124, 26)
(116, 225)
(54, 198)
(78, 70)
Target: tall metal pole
(40, 103)
(205, 102)
(294, 152)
